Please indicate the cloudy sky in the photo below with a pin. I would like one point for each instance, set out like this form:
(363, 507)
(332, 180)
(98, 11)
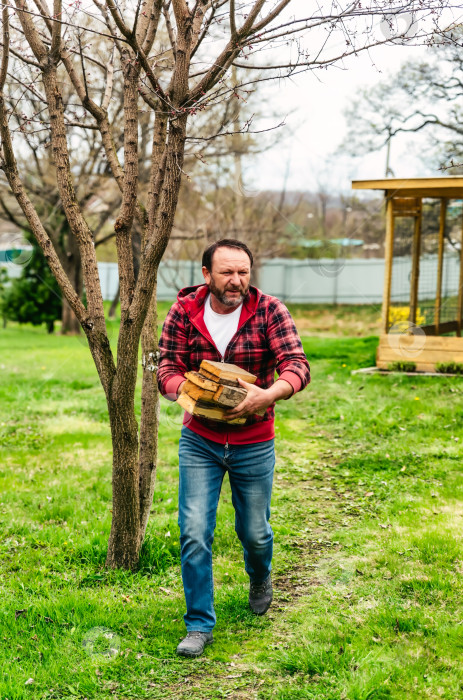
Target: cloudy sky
(313, 105)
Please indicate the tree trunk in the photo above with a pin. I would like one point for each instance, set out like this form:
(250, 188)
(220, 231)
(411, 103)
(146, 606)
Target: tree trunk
(72, 264)
(69, 323)
(124, 539)
(114, 303)
(150, 410)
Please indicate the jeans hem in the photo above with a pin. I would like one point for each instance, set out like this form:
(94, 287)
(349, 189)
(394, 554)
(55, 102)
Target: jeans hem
(195, 629)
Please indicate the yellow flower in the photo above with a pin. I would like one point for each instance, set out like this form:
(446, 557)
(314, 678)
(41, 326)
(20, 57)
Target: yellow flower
(344, 365)
(417, 398)
(399, 315)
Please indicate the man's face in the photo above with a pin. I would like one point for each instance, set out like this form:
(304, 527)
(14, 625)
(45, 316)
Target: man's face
(229, 278)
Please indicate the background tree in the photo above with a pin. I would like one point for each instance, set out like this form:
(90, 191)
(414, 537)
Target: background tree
(174, 59)
(96, 195)
(35, 296)
(425, 95)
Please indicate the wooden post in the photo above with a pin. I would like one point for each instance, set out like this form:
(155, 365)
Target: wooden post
(416, 250)
(460, 289)
(388, 258)
(440, 262)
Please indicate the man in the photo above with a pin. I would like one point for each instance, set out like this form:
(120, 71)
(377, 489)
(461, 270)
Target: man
(228, 320)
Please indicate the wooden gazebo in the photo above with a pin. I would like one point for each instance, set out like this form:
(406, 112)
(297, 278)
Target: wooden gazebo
(439, 336)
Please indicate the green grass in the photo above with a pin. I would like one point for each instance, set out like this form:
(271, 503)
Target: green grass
(367, 514)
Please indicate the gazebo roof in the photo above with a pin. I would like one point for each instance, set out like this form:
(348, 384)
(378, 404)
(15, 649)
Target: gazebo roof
(451, 187)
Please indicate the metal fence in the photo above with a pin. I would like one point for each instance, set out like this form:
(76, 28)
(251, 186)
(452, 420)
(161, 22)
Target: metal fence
(324, 281)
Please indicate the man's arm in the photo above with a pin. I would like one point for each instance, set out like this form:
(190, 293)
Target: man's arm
(286, 346)
(174, 353)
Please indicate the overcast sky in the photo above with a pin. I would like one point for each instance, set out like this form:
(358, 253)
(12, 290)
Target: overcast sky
(314, 104)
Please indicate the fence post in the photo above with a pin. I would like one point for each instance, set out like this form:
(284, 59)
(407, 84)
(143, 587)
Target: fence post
(284, 295)
(192, 273)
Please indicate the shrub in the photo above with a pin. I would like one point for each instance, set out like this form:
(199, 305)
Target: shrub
(35, 296)
(402, 366)
(449, 367)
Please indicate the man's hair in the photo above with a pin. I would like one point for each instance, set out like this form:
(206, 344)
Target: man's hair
(224, 243)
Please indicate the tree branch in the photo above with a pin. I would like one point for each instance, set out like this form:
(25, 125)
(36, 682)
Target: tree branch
(181, 11)
(170, 31)
(5, 49)
(146, 36)
(140, 54)
(233, 33)
(56, 32)
(109, 82)
(10, 169)
(123, 225)
(35, 42)
(44, 11)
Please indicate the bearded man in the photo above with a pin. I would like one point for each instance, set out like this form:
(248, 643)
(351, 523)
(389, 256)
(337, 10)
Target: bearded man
(226, 319)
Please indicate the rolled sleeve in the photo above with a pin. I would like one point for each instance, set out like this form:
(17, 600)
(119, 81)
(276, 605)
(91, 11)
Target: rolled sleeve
(286, 346)
(293, 379)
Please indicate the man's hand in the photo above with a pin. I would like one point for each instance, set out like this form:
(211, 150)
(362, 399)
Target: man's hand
(258, 398)
(179, 390)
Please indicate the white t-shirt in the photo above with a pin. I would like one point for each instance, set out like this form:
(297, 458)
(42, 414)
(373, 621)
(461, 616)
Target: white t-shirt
(222, 327)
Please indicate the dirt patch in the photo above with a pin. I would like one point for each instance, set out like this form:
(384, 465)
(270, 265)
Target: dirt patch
(333, 323)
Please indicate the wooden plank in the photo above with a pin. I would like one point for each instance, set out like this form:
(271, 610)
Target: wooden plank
(429, 193)
(445, 327)
(420, 187)
(406, 206)
(388, 254)
(460, 288)
(210, 411)
(440, 264)
(229, 395)
(197, 392)
(225, 373)
(421, 355)
(416, 252)
(408, 183)
(432, 342)
(201, 381)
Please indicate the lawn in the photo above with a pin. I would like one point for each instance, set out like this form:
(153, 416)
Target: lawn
(367, 513)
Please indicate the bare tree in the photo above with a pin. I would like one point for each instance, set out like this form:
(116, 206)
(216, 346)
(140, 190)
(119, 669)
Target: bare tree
(424, 97)
(97, 196)
(175, 59)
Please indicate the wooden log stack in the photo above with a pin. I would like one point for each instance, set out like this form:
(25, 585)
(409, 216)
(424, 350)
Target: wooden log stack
(214, 390)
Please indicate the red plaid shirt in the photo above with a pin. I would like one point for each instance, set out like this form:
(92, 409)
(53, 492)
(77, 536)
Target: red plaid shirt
(266, 342)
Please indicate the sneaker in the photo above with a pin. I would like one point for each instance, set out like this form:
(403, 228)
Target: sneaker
(260, 596)
(193, 644)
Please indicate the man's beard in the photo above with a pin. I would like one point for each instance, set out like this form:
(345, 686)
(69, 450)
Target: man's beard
(221, 296)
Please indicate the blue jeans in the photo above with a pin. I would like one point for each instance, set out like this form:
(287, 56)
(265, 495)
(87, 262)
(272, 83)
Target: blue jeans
(203, 464)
